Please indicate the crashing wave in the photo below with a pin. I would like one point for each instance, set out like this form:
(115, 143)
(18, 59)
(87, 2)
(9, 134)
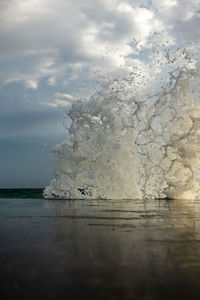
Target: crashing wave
(138, 136)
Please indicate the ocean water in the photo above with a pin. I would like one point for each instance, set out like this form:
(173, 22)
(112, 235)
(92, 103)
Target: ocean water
(21, 193)
(138, 135)
(99, 249)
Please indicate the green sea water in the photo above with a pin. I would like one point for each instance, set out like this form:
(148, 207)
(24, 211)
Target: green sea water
(21, 193)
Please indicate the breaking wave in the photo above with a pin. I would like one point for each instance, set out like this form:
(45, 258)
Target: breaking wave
(138, 136)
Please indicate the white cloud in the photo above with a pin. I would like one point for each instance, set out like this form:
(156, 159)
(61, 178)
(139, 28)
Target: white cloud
(51, 104)
(56, 103)
(51, 81)
(60, 100)
(66, 41)
(64, 96)
(32, 84)
(124, 7)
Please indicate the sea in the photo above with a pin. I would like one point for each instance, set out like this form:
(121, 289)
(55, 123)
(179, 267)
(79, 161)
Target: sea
(98, 249)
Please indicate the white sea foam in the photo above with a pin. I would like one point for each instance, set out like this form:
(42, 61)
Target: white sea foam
(138, 136)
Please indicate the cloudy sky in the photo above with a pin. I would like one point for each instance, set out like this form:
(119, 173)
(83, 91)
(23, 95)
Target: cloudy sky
(50, 54)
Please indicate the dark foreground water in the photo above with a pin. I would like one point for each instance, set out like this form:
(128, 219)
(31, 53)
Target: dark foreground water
(97, 249)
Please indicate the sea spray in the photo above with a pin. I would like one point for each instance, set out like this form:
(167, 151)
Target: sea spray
(138, 136)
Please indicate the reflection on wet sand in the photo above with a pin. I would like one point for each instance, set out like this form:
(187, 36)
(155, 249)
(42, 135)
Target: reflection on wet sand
(100, 249)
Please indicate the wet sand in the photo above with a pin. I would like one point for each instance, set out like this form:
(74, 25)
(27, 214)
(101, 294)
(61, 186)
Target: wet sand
(97, 249)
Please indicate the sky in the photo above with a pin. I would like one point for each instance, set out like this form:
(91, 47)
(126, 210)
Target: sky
(52, 51)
